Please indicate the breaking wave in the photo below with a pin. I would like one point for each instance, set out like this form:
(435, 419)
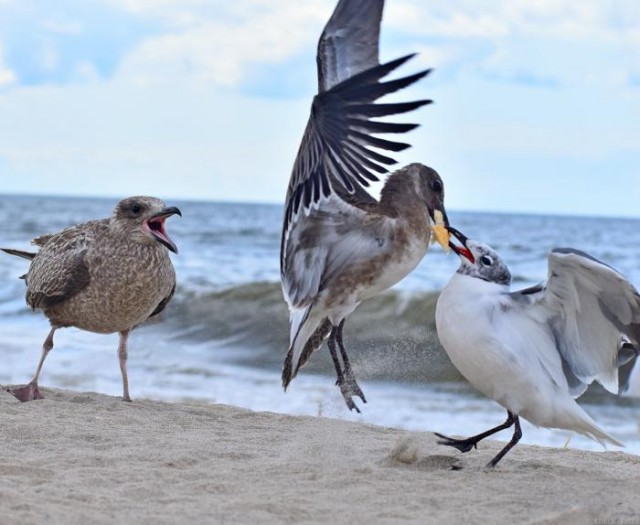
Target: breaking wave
(391, 336)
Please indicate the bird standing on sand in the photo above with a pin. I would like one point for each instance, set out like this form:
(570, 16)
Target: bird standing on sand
(535, 350)
(102, 276)
(341, 246)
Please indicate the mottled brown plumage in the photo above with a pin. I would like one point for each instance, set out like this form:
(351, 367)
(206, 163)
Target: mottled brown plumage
(102, 276)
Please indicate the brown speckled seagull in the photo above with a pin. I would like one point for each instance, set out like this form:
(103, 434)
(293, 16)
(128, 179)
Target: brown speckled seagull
(103, 276)
(339, 245)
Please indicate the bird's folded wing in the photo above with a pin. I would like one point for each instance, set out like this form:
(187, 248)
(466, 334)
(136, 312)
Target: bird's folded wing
(59, 270)
(593, 310)
(163, 304)
(349, 43)
(328, 243)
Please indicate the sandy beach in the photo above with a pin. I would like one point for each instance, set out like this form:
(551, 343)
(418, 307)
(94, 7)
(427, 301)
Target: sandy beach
(90, 458)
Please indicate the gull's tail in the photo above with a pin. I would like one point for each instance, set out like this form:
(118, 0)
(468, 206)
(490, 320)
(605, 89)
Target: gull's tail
(308, 331)
(582, 423)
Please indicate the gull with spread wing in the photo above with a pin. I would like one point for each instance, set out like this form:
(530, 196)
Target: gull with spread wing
(340, 245)
(535, 350)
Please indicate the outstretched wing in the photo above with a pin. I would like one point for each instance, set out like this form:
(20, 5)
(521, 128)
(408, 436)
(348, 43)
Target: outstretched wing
(594, 313)
(349, 43)
(335, 155)
(336, 161)
(59, 270)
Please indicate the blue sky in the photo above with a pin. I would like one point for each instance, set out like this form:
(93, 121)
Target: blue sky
(537, 102)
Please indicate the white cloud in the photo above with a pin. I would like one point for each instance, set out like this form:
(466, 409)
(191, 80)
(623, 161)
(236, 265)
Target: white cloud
(218, 42)
(220, 49)
(560, 19)
(176, 105)
(7, 76)
(62, 27)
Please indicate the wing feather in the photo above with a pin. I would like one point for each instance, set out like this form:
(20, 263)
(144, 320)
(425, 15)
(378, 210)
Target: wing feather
(59, 270)
(322, 167)
(328, 241)
(349, 41)
(593, 310)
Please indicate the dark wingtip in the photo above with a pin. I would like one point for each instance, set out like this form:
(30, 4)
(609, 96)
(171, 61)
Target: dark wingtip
(397, 62)
(19, 253)
(286, 372)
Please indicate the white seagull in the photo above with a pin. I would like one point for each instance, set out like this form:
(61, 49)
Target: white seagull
(535, 350)
(341, 246)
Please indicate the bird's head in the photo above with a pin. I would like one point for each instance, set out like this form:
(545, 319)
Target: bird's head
(430, 188)
(479, 260)
(142, 218)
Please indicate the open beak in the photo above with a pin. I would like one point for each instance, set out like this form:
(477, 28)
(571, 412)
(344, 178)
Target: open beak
(440, 229)
(461, 251)
(156, 226)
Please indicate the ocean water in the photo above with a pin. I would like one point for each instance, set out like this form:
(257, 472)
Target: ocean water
(224, 336)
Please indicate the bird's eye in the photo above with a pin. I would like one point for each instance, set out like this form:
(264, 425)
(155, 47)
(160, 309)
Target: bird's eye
(136, 208)
(436, 185)
(486, 260)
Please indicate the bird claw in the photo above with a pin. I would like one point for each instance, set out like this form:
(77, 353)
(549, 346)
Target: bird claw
(349, 388)
(463, 445)
(26, 393)
(491, 464)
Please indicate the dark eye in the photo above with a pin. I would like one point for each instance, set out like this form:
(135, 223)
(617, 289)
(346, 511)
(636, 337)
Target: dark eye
(136, 208)
(436, 185)
(486, 260)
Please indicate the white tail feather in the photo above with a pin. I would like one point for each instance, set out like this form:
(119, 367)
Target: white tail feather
(303, 325)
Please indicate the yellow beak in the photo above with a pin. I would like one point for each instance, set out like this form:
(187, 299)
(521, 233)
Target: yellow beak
(439, 232)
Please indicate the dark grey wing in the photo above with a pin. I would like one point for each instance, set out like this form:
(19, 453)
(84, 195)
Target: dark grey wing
(594, 312)
(59, 270)
(335, 158)
(349, 43)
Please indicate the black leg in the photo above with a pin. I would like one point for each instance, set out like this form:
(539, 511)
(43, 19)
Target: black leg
(349, 376)
(344, 379)
(517, 434)
(334, 355)
(465, 445)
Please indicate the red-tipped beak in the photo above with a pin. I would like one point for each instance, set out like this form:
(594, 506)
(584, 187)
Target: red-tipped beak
(461, 251)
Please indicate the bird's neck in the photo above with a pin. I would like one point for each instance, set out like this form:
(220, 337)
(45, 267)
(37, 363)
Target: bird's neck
(472, 288)
(400, 198)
